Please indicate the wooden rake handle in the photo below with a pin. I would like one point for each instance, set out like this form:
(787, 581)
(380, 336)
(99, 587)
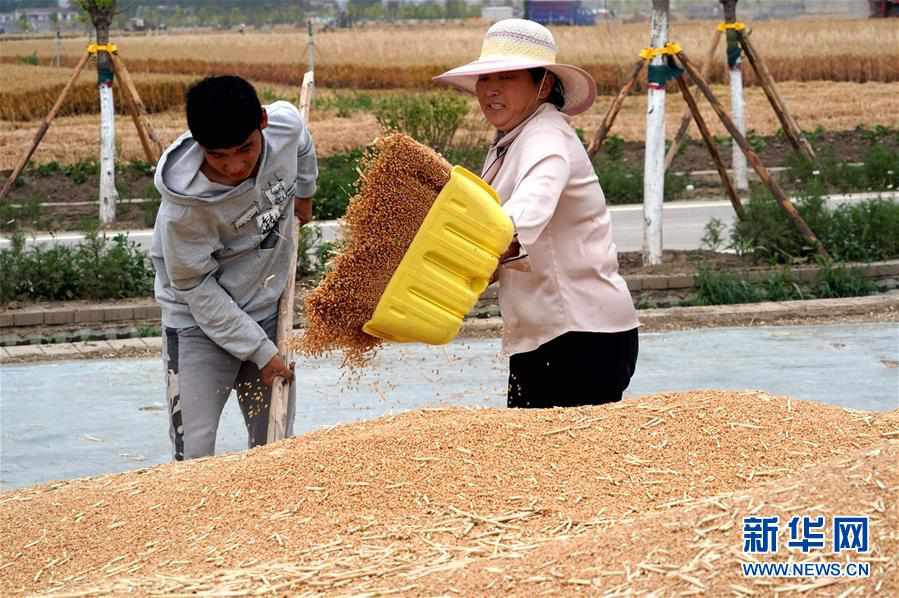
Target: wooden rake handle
(277, 415)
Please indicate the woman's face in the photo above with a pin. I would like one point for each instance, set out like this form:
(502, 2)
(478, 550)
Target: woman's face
(509, 97)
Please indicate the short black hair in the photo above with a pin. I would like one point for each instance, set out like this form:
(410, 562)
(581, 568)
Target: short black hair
(557, 93)
(222, 111)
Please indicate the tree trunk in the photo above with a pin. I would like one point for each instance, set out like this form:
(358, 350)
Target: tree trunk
(108, 193)
(654, 162)
(737, 105)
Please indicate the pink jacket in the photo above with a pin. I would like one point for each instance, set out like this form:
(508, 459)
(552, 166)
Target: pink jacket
(550, 191)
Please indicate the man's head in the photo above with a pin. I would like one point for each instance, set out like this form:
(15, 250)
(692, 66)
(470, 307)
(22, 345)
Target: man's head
(225, 117)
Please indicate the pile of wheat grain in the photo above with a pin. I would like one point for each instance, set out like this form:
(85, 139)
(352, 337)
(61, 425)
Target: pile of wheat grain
(647, 494)
(398, 185)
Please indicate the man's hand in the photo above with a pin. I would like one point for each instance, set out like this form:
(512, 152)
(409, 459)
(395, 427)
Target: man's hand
(302, 209)
(275, 368)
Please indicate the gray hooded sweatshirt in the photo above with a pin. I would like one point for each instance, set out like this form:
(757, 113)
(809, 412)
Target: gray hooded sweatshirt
(222, 253)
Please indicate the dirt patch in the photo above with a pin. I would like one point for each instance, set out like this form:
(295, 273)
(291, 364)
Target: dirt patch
(640, 495)
(850, 146)
(683, 262)
(69, 191)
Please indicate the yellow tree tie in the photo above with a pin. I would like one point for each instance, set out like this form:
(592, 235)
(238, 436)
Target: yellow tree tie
(94, 48)
(669, 49)
(731, 26)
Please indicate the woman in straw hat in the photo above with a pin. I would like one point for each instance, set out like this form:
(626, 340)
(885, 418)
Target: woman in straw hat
(570, 324)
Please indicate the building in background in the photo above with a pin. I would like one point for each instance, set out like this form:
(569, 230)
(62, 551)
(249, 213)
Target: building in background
(40, 20)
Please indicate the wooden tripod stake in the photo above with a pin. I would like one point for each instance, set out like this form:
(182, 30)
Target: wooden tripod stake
(132, 100)
(687, 114)
(693, 109)
(614, 109)
(790, 128)
(753, 158)
(148, 139)
(45, 125)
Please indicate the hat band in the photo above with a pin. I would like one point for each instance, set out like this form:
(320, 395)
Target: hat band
(517, 46)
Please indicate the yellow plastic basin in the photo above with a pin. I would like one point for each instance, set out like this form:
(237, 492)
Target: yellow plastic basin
(447, 266)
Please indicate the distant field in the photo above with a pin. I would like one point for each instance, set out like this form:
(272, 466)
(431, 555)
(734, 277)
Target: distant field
(833, 74)
(813, 49)
(833, 106)
(28, 92)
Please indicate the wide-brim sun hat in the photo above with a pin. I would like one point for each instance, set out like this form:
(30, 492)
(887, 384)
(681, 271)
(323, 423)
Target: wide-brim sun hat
(519, 44)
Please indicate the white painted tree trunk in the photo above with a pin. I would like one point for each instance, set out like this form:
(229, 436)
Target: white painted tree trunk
(654, 161)
(738, 159)
(108, 193)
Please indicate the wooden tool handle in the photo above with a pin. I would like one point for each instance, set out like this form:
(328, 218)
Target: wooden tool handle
(277, 415)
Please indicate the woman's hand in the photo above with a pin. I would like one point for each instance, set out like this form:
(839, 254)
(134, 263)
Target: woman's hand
(513, 250)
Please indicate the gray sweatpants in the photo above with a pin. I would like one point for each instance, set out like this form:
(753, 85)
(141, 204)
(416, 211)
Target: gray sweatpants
(200, 376)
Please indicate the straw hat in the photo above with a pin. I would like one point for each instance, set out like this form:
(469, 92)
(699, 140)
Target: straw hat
(518, 44)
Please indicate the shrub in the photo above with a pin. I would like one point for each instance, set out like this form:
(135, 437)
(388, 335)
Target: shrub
(723, 288)
(623, 184)
(336, 184)
(713, 239)
(314, 255)
(840, 281)
(346, 104)
(149, 210)
(310, 235)
(864, 231)
(879, 170)
(470, 156)
(614, 148)
(11, 217)
(620, 183)
(430, 118)
(781, 286)
(756, 142)
(857, 231)
(98, 268)
(31, 59)
(768, 234)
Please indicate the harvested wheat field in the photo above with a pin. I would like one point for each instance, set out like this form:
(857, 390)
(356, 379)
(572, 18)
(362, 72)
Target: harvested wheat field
(857, 50)
(847, 105)
(644, 495)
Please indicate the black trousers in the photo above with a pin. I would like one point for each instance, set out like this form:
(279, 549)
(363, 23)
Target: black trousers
(577, 368)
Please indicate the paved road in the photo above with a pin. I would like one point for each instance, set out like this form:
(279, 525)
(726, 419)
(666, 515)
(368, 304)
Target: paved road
(683, 227)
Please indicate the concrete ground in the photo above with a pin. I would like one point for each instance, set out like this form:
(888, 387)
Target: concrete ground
(67, 419)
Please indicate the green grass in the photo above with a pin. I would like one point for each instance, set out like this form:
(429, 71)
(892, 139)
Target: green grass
(715, 287)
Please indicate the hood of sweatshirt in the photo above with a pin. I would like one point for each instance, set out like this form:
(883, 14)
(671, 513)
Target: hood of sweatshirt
(179, 177)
